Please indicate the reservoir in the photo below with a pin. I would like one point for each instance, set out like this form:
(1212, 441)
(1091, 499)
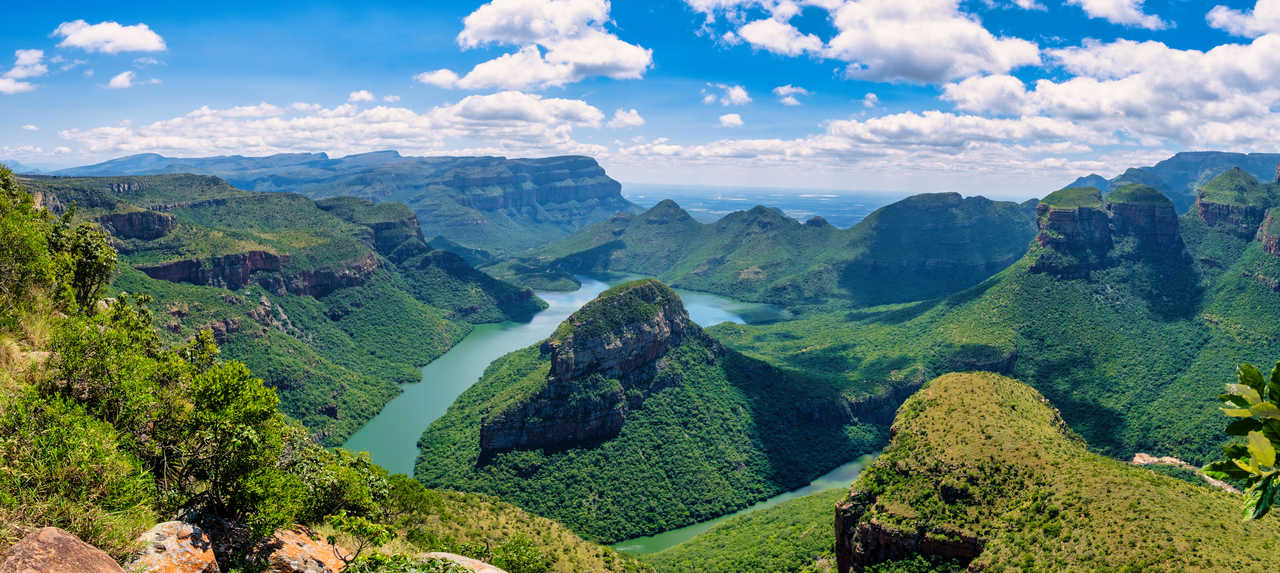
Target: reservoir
(391, 438)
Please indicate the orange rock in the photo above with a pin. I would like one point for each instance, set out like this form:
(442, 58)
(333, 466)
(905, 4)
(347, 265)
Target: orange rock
(174, 547)
(299, 550)
(52, 550)
(471, 564)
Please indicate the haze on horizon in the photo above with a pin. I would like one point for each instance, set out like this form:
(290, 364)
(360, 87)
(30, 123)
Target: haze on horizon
(1008, 98)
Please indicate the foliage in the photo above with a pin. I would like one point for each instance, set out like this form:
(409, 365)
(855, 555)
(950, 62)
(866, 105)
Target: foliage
(791, 537)
(1074, 197)
(359, 531)
(981, 456)
(920, 247)
(1253, 401)
(403, 564)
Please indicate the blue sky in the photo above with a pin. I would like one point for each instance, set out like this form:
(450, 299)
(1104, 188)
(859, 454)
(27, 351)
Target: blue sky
(1001, 97)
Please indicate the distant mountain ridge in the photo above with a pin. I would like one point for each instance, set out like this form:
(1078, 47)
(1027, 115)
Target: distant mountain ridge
(920, 247)
(491, 203)
(1180, 176)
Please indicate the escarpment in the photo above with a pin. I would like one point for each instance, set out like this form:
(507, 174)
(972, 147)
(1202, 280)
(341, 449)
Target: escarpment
(1081, 231)
(603, 363)
(145, 225)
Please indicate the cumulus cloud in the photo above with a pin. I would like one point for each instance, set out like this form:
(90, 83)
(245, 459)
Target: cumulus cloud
(999, 94)
(728, 95)
(108, 37)
(1123, 12)
(27, 64)
(731, 120)
(121, 80)
(360, 96)
(1264, 18)
(560, 42)
(922, 41)
(870, 100)
(626, 118)
(504, 123)
(787, 94)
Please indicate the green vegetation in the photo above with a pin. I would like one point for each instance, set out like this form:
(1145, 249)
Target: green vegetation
(1074, 198)
(1252, 400)
(355, 306)
(1236, 187)
(712, 432)
(921, 247)
(980, 458)
(791, 537)
(105, 428)
(1136, 193)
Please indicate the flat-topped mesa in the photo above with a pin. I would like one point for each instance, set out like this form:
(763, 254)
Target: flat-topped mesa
(1147, 214)
(1074, 219)
(603, 363)
(1235, 202)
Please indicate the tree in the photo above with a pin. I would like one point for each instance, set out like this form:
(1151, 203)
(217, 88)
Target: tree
(362, 532)
(1255, 403)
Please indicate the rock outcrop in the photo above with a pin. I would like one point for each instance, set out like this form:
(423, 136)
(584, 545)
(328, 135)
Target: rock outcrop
(299, 550)
(145, 225)
(52, 550)
(1239, 219)
(602, 359)
(1078, 225)
(861, 542)
(467, 563)
(174, 547)
(230, 271)
(1269, 233)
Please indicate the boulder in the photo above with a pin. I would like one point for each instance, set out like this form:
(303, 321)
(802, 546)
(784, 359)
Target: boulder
(52, 550)
(300, 550)
(470, 564)
(174, 547)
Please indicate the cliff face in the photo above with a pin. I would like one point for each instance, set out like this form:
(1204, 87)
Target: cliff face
(1079, 227)
(145, 225)
(1073, 229)
(1239, 219)
(602, 362)
(237, 270)
(529, 183)
(1269, 233)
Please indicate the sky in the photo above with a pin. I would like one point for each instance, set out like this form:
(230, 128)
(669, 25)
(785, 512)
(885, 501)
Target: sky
(1007, 98)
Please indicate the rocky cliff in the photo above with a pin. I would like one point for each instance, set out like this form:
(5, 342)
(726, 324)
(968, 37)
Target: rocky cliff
(1078, 228)
(267, 269)
(145, 225)
(1073, 220)
(602, 362)
(1269, 233)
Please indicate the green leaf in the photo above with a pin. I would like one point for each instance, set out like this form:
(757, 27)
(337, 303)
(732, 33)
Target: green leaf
(1233, 400)
(1225, 470)
(1249, 375)
(1235, 451)
(1244, 391)
(1265, 410)
(1273, 385)
(1259, 498)
(1242, 427)
(1264, 454)
(1237, 413)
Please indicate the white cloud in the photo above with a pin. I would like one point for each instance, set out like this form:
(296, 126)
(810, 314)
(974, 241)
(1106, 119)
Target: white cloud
(391, 98)
(729, 95)
(439, 78)
(27, 64)
(787, 94)
(779, 38)
(145, 61)
(108, 37)
(922, 41)
(29, 127)
(731, 120)
(626, 118)
(504, 123)
(560, 42)
(1264, 18)
(360, 96)
(121, 80)
(870, 100)
(1123, 12)
(997, 94)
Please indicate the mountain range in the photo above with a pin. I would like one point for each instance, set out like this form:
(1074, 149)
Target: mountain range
(1180, 177)
(493, 204)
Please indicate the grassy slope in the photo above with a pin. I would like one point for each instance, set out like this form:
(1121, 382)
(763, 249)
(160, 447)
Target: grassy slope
(985, 455)
(791, 537)
(1133, 354)
(719, 435)
(761, 255)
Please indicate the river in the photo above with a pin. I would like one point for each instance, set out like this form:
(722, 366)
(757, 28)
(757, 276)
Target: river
(391, 437)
